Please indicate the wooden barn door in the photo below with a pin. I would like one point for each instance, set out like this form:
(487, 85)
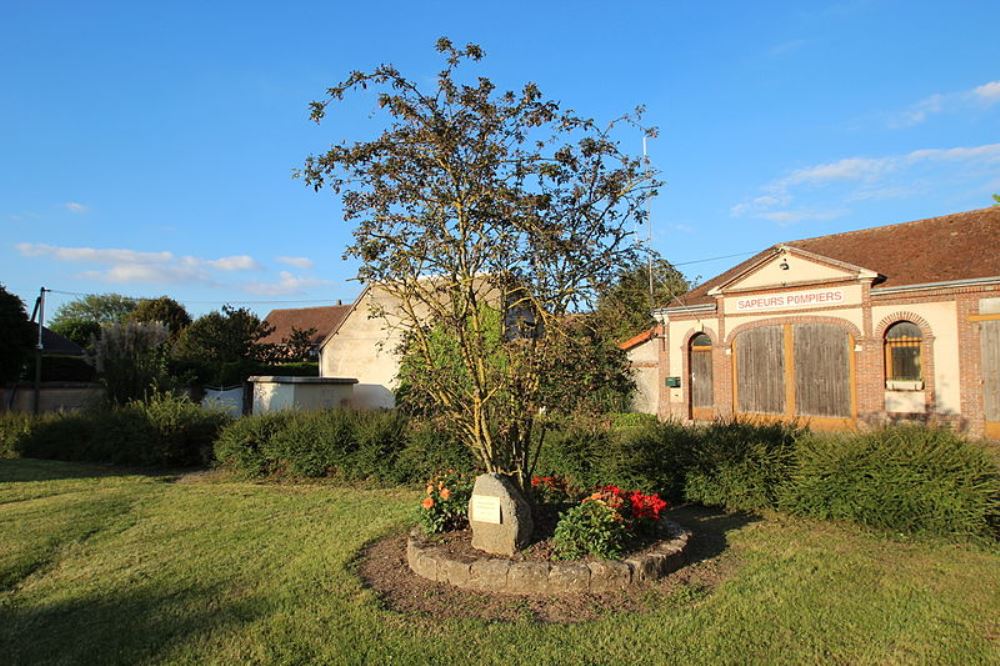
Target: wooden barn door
(824, 386)
(760, 371)
(802, 371)
(700, 378)
(989, 335)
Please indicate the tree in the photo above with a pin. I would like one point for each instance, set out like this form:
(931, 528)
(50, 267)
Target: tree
(625, 309)
(17, 336)
(473, 204)
(298, 345)
(80, 320)
(163, 309)
(228, 336)
(996, 199)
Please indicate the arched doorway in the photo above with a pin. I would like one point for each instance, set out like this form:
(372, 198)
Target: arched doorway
(702, 398)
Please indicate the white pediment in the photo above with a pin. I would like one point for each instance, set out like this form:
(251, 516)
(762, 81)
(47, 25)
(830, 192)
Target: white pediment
(790, 267)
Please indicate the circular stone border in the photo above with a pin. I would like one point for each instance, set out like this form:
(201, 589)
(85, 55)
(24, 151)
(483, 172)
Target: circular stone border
(490, 574)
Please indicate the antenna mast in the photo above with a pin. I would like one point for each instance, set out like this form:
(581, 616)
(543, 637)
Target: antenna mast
(649, 224)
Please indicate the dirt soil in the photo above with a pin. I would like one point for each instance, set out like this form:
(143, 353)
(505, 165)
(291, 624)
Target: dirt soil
(382, 567)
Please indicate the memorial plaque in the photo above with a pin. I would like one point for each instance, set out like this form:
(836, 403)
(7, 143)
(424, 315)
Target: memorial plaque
(486, 509)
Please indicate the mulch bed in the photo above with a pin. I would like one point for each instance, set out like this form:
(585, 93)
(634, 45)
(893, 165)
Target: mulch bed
(383, 568)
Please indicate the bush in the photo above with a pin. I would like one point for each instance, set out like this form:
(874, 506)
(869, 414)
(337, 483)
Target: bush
(590, 528)
(14, 427)
(383, 446)
(907, 478)
(740, 465)
(166, 431)
(446, 504)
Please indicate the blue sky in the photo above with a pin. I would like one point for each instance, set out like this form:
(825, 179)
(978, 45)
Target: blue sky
(148, 148)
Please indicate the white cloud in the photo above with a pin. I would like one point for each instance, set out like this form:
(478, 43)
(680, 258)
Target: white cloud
(787, 47)
(286, 284)
(863, 178)
(76, 207)
(124, 266)
(979, 97)
(237, 263)
(304, 263)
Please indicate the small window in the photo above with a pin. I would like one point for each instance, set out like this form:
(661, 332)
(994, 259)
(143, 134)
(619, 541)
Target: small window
(701, 341)
(902, 353)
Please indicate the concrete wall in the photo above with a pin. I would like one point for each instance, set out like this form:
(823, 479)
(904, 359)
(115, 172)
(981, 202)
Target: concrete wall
(645, 368)
(271, 396)
(55, 396)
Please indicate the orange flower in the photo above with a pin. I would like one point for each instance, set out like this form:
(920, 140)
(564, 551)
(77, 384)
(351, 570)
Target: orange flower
(445, 493)
(430, 489)
(427, 503)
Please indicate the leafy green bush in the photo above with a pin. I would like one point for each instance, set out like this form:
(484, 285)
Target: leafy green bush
(446, 502)
(383, 446)
(166, 430)
(908, 478)
(739, 465)
(14, 427)
(590, 528)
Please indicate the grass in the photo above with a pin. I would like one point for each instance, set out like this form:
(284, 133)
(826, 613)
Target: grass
(111, 567)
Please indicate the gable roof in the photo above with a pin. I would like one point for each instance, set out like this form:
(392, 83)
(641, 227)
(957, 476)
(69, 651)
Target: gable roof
(961, 246)
(54, 344)
(324, 319)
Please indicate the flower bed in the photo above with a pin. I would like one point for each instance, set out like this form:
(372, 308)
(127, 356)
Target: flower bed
(432, 561)
(600, 541)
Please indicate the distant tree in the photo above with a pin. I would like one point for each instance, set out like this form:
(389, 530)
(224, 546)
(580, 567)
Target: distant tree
(996, 199)
(17, 336)
(298, 345)
(80, 320)
(226, 336)
(163, 309)
(624, 308)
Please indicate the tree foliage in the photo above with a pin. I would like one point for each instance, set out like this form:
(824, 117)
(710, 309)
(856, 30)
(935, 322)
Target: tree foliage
(17, 336)
(298, 345)
(472, 201)
(80, 320)
(624, 309)
(226, 336)
(163, 309)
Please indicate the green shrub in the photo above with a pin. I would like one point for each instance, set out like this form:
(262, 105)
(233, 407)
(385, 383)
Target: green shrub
(383, 446)
(590, 528)
(906, 478)
(243, 445)
(429, 449)
(739, 465)
(166, 431)
(14, 427)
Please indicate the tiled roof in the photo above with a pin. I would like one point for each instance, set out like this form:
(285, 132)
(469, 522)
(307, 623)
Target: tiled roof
(323, 319)
(939, 249)
(637, 340)
(54, 344)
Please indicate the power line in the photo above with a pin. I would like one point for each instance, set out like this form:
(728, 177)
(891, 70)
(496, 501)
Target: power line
(221, 300)
(727, 256)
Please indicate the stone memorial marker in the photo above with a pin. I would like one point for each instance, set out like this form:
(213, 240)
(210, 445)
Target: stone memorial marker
(499, 516)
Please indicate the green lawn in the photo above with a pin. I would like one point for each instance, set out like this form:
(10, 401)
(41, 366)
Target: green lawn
(102, 567)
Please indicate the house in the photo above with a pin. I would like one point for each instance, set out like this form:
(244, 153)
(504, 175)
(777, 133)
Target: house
(887, 323)
(364, 345)
(322, 320)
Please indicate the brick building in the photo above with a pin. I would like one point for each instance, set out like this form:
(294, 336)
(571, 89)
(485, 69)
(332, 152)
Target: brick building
(889, 323)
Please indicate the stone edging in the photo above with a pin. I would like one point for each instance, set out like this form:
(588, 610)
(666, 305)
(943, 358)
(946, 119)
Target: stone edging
(490, 574)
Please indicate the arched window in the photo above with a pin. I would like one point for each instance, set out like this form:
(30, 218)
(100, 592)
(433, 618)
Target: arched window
(902, 352)
(701, 341)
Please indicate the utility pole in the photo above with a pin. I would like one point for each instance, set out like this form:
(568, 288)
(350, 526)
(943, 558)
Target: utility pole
(39, 347)
(649, 224)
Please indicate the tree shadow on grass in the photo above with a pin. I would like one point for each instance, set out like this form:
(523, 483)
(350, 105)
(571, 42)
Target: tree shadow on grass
(709, 528)
(26, 470)
(128, 628)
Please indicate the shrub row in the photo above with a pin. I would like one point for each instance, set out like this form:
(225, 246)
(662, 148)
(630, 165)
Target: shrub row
(906, 478)
(383, 446)
(165, 430)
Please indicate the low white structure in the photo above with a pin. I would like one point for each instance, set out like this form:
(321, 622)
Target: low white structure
(272, 393)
